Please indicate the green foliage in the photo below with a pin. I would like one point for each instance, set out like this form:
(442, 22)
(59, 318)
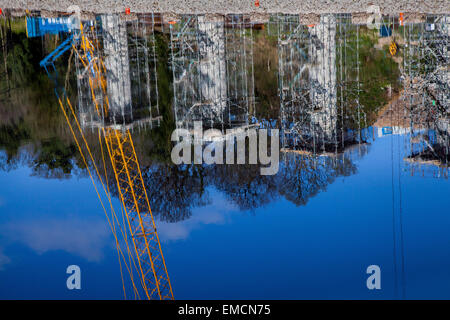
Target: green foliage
(18, 26)
(19, 63)
(31, 114)
(377, 71)
(161, 143)
(266, 74)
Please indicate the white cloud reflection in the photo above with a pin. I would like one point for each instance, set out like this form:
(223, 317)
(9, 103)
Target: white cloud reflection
(84, 238)
(87, 238)
(214, 213)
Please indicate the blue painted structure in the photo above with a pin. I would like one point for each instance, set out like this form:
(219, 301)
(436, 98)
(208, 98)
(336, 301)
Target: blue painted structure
(38, 26)
(48, 63)
(55, 54)
(385, 31)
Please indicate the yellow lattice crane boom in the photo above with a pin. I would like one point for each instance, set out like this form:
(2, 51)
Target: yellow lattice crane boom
(135, 202)
(148, 258)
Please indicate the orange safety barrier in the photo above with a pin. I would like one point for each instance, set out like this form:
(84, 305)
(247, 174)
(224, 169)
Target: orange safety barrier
(127, 11)
(257, 3)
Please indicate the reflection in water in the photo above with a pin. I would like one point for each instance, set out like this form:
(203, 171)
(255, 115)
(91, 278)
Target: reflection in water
(212, 65)
(126, 80)
(112, 105)
(185, 187)
(338, 90)
(307, 62)
(427, 95)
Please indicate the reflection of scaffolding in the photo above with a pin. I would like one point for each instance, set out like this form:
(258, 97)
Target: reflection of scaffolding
(426, 78)
(241, 82)
(91, 78)
(126, 77)
(212, 65)
(429, 148)
(143, 57)
(319, 83)
(323, 72)
(351, 112)
(117, 66)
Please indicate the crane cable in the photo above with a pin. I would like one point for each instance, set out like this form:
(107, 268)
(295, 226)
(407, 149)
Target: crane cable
(91, 176)
(400, 203)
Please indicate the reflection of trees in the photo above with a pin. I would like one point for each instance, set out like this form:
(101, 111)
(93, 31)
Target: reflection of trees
(302, 178)
(243, 185)
(173, 190)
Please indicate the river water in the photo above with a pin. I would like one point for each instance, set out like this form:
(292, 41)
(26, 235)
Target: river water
(363, 152)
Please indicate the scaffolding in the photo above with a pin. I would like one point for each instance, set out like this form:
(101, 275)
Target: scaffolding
(352, 117)
(319, 83)
(425, 74)
(126, 76)
(143, 67)
(91, 75)
(212, 64)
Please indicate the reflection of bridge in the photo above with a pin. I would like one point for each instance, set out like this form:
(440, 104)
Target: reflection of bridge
(212, 69)
(212, 65)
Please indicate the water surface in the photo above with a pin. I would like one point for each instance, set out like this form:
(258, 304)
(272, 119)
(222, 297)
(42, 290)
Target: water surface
(362, 180)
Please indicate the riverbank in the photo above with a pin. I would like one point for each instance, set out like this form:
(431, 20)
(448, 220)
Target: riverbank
(233, 6)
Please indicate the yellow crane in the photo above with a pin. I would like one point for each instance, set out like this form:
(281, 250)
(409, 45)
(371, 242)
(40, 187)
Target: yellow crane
(140, 220)
(148, 260)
